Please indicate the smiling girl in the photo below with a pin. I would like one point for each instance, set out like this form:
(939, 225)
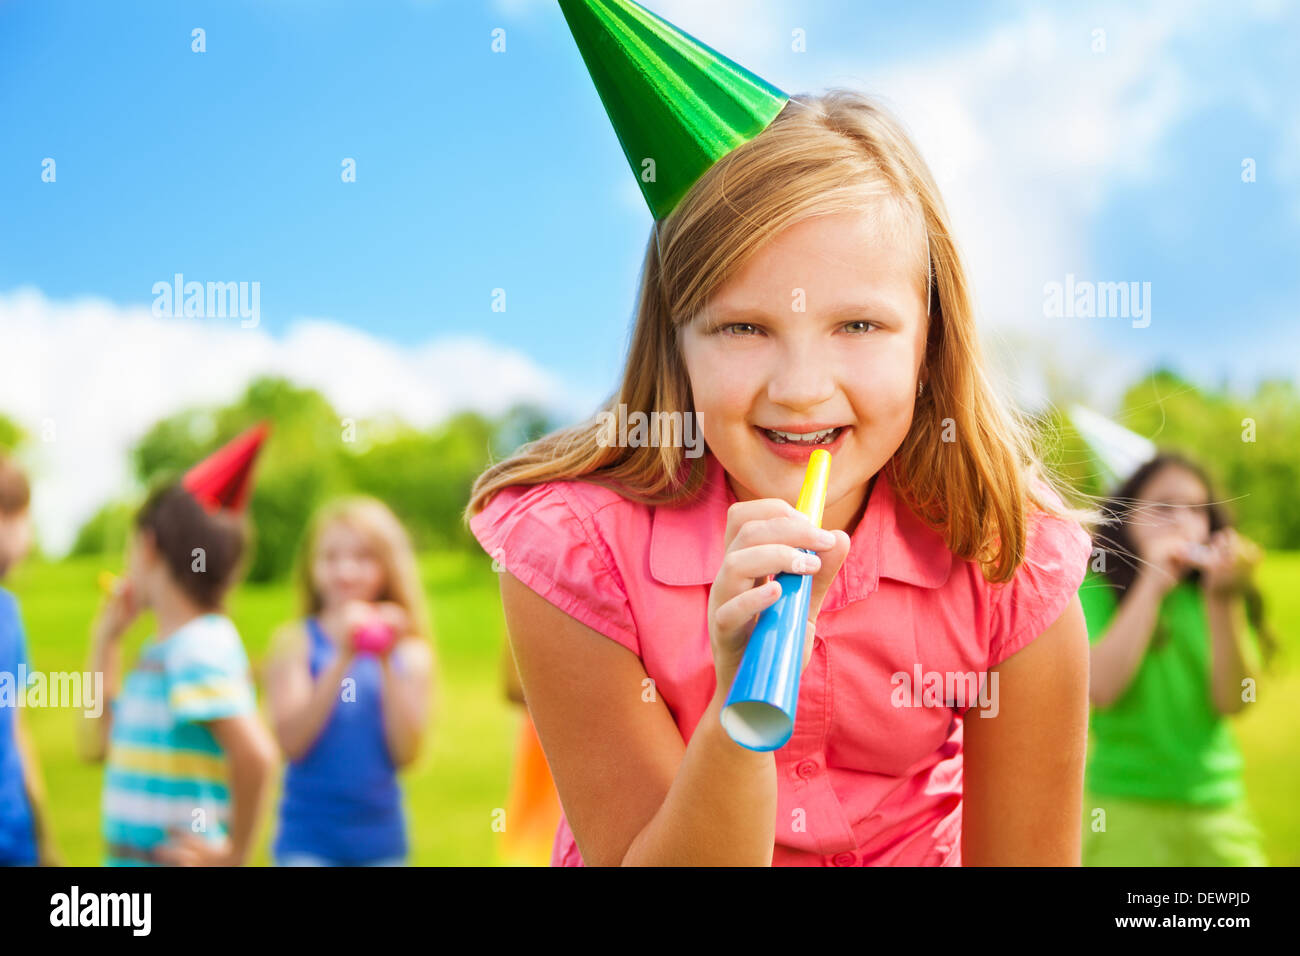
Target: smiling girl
(804, 291)
(634, 574)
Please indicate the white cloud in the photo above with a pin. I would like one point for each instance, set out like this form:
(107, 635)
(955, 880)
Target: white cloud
(88, 378)
(742, 30)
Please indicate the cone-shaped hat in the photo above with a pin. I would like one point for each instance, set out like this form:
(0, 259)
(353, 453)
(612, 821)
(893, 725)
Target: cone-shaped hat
(223, 480)
(677, 106)
(1115, 450)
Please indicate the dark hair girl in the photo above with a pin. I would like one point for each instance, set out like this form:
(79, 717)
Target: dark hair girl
(1171, 605)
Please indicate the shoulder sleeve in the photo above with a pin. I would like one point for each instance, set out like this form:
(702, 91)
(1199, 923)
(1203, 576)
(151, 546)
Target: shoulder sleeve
(207, 672)
(551, 542)
(1056, 557)
(1099, 603)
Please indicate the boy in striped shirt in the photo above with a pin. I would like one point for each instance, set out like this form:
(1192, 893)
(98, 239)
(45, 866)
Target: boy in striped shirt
(188, 760)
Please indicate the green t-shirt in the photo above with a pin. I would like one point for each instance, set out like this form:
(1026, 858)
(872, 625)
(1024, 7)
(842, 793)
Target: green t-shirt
(1163, 739)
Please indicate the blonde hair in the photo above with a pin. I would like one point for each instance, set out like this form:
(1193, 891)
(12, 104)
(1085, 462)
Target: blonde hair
(373, 520)
(836, 152)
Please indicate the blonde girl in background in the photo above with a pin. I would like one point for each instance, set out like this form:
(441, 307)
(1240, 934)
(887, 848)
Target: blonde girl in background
(350, 688)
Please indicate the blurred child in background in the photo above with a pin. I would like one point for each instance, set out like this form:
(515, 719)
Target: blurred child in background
(188, 759)
(25, 836)
(1168, 619)
(350, 690)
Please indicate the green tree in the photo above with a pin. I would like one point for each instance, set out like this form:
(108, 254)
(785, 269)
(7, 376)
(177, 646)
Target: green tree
(106, 531)
(425, 476)
(312, 455)
(300, 465)
(11, 434)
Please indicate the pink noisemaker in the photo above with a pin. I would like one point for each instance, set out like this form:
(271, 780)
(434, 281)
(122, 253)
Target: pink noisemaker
(372, 637)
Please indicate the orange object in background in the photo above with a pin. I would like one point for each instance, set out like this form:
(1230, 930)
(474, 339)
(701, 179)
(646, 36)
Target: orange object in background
(532, 807)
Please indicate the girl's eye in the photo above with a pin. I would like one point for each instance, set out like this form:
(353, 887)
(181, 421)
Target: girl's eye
(745, 329)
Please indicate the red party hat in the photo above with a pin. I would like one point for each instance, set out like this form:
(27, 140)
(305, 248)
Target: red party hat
(224, 478)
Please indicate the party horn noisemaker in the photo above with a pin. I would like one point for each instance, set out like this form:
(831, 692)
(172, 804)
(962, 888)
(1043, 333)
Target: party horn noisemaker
(759, 713)
(372, 637)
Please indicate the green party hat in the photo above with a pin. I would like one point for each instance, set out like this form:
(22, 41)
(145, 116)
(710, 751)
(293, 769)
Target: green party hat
(677, 106)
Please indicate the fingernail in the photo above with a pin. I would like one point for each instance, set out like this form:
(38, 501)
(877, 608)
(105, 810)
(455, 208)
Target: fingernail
(804, 563)
(826, 538)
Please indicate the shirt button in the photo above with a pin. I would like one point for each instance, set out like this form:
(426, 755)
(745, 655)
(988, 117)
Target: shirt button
(843, 859)
(806, 769)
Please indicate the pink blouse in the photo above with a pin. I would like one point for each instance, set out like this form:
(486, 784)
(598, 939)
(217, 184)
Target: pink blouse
(873, 772)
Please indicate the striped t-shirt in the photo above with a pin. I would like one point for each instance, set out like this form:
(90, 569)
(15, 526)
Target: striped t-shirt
(165, 771)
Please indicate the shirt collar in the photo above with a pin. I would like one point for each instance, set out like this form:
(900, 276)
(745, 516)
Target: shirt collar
(686, 542)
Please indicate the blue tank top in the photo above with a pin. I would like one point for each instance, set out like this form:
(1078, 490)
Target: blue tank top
(17, 842)
(341, 799)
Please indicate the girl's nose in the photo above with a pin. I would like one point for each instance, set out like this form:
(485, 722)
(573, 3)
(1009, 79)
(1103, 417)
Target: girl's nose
(1193, 526)
(802, 379)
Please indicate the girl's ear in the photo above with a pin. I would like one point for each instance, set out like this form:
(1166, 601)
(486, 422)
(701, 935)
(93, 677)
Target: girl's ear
(146, 547)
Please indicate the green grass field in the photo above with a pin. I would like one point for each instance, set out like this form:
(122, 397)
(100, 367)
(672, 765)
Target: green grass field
(462, 777)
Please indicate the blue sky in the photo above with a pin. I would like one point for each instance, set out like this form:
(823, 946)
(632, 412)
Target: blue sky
(478, 170)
